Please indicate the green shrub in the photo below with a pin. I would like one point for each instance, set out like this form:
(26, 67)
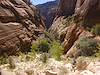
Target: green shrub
(3, 60)
(87, 46)
(56, 50)
(96, 30)
(41, 46)
(44, 46)
(34, 48)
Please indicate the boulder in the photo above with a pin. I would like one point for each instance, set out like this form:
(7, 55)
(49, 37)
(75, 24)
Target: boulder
(50, 73)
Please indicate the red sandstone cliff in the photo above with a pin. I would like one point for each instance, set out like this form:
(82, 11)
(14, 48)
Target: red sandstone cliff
(20, 24)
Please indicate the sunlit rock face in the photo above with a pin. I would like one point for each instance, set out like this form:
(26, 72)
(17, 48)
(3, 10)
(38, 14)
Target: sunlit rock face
(20, 24)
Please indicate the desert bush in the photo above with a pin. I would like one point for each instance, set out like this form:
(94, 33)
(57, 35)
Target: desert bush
(56, 50)
(87, 46)
(41, 46)
(34, 47)
(3, 60)
(97, 54)
(53, 47)
(31, 56)
(96, 30)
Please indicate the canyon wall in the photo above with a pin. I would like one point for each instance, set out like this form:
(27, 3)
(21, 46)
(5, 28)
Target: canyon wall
(68, 30)
(20, 24)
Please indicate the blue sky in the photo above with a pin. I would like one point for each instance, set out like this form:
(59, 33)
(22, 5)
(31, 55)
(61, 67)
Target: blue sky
(35, 2)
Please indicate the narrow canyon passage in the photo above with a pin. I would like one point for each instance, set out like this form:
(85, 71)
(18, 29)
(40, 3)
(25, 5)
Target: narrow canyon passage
(49, 37)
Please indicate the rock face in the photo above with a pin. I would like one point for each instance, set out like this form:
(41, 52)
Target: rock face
(48, 11)
(20, 24)
(82, 10)
(67, 34)
(71, 36)
(85, 9)
(66, 7)
(73, 52)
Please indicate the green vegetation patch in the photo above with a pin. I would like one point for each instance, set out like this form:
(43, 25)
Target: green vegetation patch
(96, 29)
(53, 48)
(87, 46)
(41, 46)
(56, 50)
